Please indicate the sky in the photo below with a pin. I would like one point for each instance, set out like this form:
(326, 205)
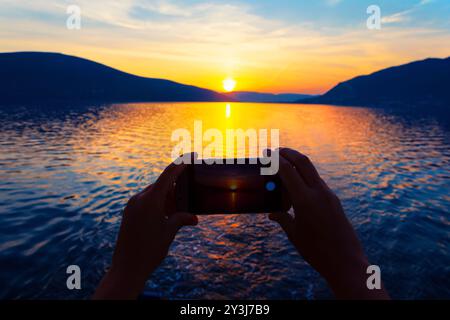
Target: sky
(301, 46)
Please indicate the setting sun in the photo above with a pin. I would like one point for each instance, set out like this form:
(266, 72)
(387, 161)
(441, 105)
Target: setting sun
(229, 84)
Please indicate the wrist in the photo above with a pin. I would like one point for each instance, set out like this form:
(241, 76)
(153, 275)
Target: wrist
(347, 281)
(351, 283)
(119, 285)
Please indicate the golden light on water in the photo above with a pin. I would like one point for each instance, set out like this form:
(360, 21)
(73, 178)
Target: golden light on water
(229, 84)
(228, 110)
(120, 136)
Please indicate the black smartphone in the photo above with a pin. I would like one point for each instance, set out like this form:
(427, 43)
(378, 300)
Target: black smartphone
(223, 188)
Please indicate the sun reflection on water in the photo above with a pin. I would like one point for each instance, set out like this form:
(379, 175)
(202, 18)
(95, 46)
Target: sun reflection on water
(66, 178)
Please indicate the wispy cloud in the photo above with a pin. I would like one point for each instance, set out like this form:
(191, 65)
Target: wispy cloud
(203, 42)
(405, 15)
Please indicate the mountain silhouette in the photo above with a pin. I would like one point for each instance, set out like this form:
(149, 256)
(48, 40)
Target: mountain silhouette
(248, 96)
(35, 77)
(420, 83)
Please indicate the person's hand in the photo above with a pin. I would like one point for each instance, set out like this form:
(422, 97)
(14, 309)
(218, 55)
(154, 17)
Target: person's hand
(320, 230)
(149, 226)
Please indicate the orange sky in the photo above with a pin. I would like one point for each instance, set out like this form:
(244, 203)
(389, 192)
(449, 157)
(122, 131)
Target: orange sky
(205, 43)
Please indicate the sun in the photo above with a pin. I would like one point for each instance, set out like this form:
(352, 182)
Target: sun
(229, 84)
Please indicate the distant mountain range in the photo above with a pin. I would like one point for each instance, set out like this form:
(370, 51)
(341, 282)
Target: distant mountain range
(33, 77)
(247, 96)
(420, 83)
(40, 77)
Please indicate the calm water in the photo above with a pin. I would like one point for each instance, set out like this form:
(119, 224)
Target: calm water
(66, 173)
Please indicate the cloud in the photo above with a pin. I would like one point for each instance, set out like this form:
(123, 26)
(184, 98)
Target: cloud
(405, 15)
(206, 41)
(397, 17)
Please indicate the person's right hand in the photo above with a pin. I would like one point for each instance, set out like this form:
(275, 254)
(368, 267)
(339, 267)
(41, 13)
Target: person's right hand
(320, 230)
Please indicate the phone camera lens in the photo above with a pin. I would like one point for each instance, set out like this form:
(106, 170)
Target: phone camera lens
(270, 186)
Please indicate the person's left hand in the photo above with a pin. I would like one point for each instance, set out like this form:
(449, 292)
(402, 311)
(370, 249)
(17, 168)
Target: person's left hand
(149, 225)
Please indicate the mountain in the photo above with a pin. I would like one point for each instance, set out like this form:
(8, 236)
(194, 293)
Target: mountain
(34, 77)
(424, 83)
(247, 96)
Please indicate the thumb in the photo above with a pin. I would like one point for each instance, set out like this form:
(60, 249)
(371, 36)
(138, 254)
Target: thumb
(285, 220)
(178, 220)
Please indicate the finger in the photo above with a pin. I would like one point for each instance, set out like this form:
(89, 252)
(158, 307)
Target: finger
(285, 220)
(303, 166)
(170, 205)
(145, 191)
(163, 190)
(292, 181)
(149, 187)
(178, 220)
(138, 196)
(167, 179)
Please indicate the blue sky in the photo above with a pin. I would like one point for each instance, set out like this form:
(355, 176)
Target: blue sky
(337, 13)
(347, 13)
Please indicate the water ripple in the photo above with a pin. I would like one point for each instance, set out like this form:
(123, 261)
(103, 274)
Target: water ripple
(66, 174)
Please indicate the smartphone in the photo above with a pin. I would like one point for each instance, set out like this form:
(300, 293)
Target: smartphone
(223, 188)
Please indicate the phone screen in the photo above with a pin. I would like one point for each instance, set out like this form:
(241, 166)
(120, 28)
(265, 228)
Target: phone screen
(229, 188)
